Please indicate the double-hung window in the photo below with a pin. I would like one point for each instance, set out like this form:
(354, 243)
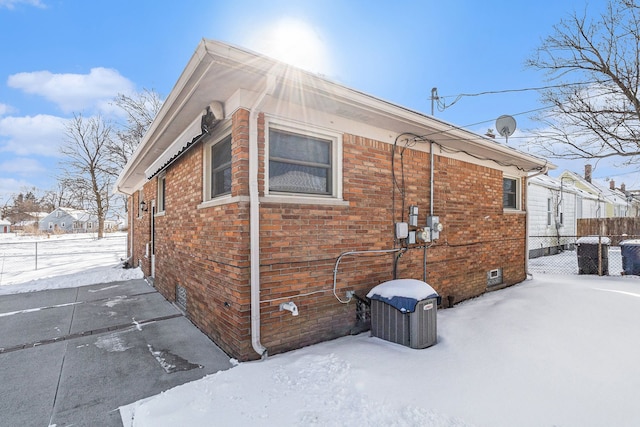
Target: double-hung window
(220, 171)
(510, 193)
(302, 162)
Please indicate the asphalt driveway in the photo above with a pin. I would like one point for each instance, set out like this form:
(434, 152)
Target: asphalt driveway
(74, 356)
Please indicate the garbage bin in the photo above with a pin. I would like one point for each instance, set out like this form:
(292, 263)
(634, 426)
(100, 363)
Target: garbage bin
(630, 250)
(587, 250)
(404, 311)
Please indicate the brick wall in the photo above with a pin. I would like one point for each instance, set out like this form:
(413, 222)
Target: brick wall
(207, 250)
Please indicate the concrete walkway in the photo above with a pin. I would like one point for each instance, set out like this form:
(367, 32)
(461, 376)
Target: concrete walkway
(74, 356)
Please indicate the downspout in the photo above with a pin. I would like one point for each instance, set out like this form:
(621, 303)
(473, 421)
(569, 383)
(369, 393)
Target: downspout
(543, 171)
(254, 219)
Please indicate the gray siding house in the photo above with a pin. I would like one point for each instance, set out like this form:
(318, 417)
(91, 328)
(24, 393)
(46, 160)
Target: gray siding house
(67, 220)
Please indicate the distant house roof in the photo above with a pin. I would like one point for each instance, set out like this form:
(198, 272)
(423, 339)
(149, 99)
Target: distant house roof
(599, 189)
(558, 184)
(37, 215)
(4, 222)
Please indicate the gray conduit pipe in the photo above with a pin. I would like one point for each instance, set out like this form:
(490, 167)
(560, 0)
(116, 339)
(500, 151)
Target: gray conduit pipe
(335, 269)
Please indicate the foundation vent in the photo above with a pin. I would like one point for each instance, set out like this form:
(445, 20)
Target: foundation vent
(494, 277)
(181, 297)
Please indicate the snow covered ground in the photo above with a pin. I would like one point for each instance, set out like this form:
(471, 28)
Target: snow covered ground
(557, 350)
(552, 351)
(63, 261)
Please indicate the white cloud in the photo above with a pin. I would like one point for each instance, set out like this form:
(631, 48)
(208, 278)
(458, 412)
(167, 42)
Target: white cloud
(41, 134)
(11, 4)
(9, 186)
(5, 109)
(74, 92)
(22, 166)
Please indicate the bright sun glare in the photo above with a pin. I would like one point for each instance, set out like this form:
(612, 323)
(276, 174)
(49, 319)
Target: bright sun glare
(294, 42)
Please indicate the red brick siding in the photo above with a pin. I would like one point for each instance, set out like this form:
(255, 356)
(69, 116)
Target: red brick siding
(207, 250)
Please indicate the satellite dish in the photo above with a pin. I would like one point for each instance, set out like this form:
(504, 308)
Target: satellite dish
(506, 125)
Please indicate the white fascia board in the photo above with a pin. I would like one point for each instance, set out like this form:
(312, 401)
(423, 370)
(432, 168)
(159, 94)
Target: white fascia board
(130, 179)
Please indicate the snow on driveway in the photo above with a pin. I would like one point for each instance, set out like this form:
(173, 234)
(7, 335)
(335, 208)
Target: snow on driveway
(555, 350)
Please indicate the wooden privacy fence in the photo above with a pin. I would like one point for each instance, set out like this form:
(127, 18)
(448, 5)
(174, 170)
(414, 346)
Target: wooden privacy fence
(618, 229)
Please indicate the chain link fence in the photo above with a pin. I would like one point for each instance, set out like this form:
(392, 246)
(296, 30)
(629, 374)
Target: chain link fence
(559, 254)
(19, 255)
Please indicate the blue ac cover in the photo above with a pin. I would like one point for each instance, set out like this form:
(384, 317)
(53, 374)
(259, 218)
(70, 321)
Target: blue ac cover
(403, 294)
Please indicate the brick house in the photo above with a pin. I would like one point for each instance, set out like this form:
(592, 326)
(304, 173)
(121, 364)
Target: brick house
(259, 184)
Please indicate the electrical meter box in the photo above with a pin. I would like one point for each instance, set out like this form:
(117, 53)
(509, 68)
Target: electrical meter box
(433, 222)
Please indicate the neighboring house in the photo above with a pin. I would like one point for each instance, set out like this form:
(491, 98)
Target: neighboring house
(31, 221)
(617, 203)
(5, 226)
(553, 206)
(68, 220)
(260, 187)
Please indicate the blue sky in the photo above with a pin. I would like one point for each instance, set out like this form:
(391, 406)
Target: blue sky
(62, 57)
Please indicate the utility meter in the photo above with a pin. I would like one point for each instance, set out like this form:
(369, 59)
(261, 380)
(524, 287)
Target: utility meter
(423, 234)
(433, 222)
(413, 216)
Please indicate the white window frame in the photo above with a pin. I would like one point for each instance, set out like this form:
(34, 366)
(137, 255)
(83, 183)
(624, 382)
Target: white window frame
(335, 194)
(222, 132)
(162, 192)
(549, 211)
(518, 181)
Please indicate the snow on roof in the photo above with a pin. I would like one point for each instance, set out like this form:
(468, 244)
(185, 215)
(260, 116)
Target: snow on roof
(593, 240)
(630, 242)
(557, 184)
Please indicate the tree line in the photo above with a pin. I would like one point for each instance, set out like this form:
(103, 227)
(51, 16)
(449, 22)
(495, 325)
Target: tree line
(94, 152)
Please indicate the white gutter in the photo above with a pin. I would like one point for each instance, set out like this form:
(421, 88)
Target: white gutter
(254, 219)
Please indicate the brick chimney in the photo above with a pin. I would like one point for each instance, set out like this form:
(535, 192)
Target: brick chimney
(587, 172)
(612, 184)
(623, 188)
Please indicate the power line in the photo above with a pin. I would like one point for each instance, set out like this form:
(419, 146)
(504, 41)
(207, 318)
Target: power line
(493, 92)
(442, 105)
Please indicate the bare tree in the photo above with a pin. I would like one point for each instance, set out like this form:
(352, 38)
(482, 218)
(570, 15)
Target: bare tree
(87, 170)
(595, 68)
(140, 109)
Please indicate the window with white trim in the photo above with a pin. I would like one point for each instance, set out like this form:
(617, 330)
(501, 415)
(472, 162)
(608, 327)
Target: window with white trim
(217, 168)
(162, 181)
(510, 193)
(549, 210)
(303, 161)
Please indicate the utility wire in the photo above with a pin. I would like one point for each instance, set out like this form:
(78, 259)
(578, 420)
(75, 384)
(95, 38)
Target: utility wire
(492, 92)
(443, 106)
